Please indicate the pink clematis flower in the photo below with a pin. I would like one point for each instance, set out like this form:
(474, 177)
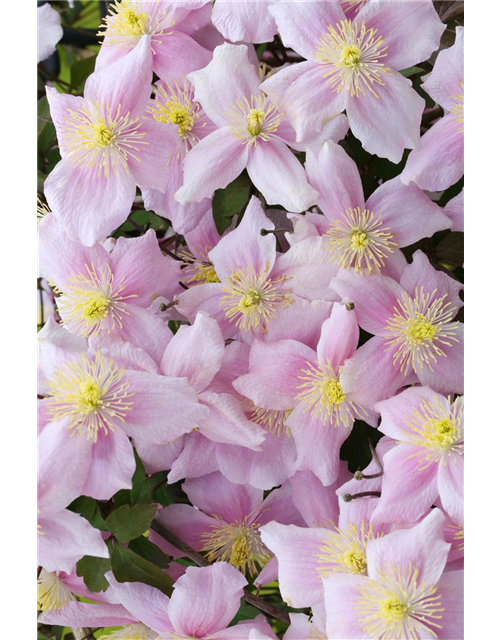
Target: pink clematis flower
(366, 236)
(225, 520)
(242, 21)
(110, 292)
(428, 460)
(107, 146)
(354, 65)
(438, 161)
(332, 543)
(63, 536)
(185, 124)
(250, 135)
(416, 338)
(92, 405)
(287, 375)
(175, 52)
(49, 31)
(250, 284)
(405, 593)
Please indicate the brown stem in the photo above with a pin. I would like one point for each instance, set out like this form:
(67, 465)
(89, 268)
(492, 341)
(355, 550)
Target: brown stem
(201, 561)
(432, 115)
(453, 14)
(348, 497)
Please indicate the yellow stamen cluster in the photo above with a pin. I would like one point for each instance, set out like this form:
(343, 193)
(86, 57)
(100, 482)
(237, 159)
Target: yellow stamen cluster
(97, 136)
(360, 241)
(323, 395)
(419, 328)
(237, 543)
(197, 270)
(92, 300)
(133, 632)
(254, 119)
(251, 298)
(458, 109)
(398, 604)
(351, 55)
(272, 421)
(345, 550)
(52, 593)
(437, 429)
(42, 210)
(91, 394)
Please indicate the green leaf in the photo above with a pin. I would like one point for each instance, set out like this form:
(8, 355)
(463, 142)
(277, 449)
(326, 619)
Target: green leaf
(97, 521)
(230, 201)
(46, 132)
(260, 50)
(450, 251)
(84, 505)
(40, 636)
(40, 180)
(128, 566)
(149, 551)
(411, 71)
(80, 71)
(127, 523)
(92, 570)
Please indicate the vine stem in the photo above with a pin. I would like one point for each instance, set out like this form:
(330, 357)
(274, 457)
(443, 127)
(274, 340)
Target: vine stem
(201, 561)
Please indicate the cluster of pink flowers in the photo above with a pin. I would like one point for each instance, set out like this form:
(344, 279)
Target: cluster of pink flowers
(240, 362)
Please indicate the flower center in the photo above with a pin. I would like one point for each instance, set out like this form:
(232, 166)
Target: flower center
(419, 328)
(360, 241)
(252, 299)
(351, 55)
(92, 301)
(91, 394)
(323, 395)
(134, 23)
(437, 428)
(237, 543)
(96, 136)
(345, 550)
(398, 604)
(254, 120)
(52, 593)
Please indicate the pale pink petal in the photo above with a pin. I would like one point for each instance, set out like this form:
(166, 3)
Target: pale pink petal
(289, 323)
(212, 164)
(246, 247)
(443, 83)
(112, 466)
(375, 298)
(279, 176)
(55, 346)
(274, 373)
(158, 457)
(78, 197)
(316, 503)
(203, 236)
(196, 459)
(82, 614)
(438, 161)
(146, 330)
(339, 336)
(451, 589)
(451, 486)
(234, 364)
(205, 600)
(149, 169)
(126, 84)
(162, 408)
(49, 31)
(61, 105)
(336, 177)
(409, 485)
(268, 574)
(226, 422)
(177, 56)
(206, 297)
(342, 592)
(407, 212)
(390, 123)
(195, 352)
(297, 551)
(301, 25)
(423, 545)
(244, 22)
(455, 210)
(395, 22)
(278, 507)
(228, 78)
(187, 523)
(124, 354)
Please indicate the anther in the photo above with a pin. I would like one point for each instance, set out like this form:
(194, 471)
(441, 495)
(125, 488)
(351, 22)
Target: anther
(349, 306)
(165, 307)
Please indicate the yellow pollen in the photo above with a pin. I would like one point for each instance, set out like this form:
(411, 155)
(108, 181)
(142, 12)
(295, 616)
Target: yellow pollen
(134, 23)
(344, 550)
(272, 421)
(323, 395)
(90, 394)
(418, 330)
(96, 307)
(360, 241)
(393, 609)
(102, 134)
(255, 119)
(354, 560)
(52, 593)
(351, 55)
(249, 301)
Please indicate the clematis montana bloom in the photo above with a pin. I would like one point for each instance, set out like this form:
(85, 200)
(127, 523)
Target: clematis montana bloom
(428, 460)
(366, 236)
(109, 292)
(249, 136)
(405, 593)
(354, 65)
(416, 336)
(438, 161)
(49, 31)
(107, 146)
(287, 375)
